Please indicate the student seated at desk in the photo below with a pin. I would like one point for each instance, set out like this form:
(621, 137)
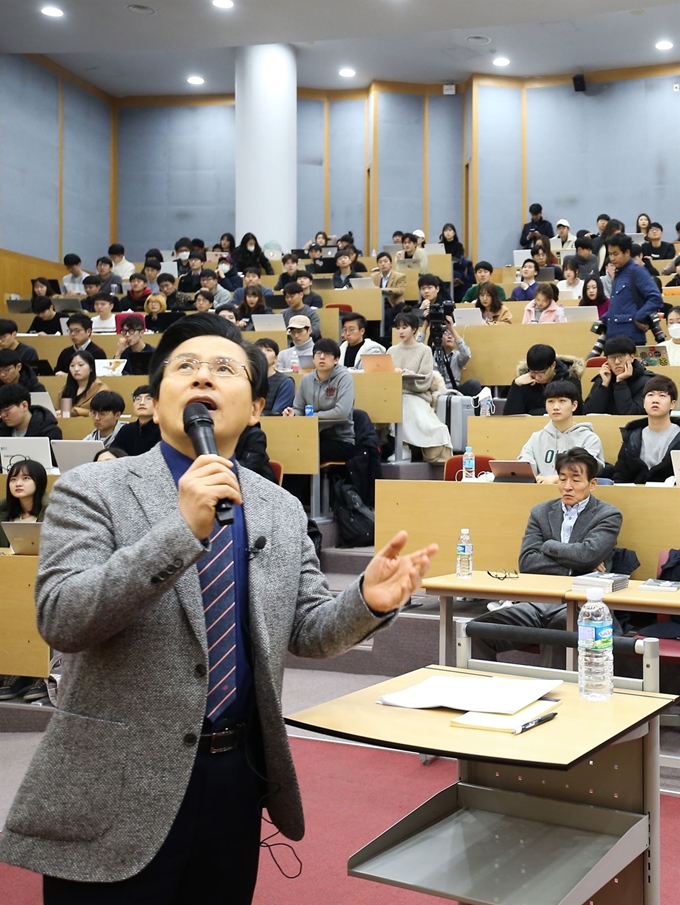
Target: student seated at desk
(18, 418)
(526, 289)
(143, 434)
(541, 368)
(191, 281)
(137, 294)
(45, 322)
(152, 267)
(300, 332)
(15, 372)
(421, 427)
(210, 282)
(26, 501)
(288, 274)
(204, 301)
(280, 387)
(455, 355)
(9, 342)
(483, 274)
(309, 298)
(253, 303)
(542, 309)
(344, 273)
(92, 284)
(619, 386)
(82, 385)
(173, 299)
(561, 434)
(571, 535)
(251, 277)
(80, 332)
(105, 411)
(131, 343)
(355, 344)
(154, 305)
(104, 320)
(330, 390)
(294, 296)
(490, 304)
(645, 453)
(392, 283)
(672, 345)
(111, 284)
(72, 282)
(121, 266)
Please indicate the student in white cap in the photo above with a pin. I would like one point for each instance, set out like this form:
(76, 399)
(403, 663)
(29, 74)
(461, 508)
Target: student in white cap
(564, 235)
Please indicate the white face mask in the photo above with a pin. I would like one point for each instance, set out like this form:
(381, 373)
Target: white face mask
(674, 330)
(183, 255)
(251, 248)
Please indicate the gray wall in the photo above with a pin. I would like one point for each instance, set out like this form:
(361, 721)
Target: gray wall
(347, 184)
(175, 175)
(87, 175)
(400, 164)
(445, 143)
(29, 158)
(310, 169)
(499, 155)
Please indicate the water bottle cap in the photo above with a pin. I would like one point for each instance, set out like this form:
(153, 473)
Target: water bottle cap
(464, 530)
(468, 448)
(594, 594)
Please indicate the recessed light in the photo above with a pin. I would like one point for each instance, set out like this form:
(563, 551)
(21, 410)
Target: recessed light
(664, 45)
(53, 11)
(478, 40)
(195, 80)
(347, 73)
(501, 61)
(140, 10)
(223, 4)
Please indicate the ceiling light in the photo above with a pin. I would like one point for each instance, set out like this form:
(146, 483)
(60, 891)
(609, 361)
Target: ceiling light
(479, 40)
(223, 4)
(140, 10)
(664, 45)
(501, 61)
(52, 11)
(195, 80)
(347, 73)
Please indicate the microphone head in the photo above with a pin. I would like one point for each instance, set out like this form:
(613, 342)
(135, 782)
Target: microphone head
(196, 413)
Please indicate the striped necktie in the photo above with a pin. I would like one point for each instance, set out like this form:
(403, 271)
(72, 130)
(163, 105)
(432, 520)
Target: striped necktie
(219, 606)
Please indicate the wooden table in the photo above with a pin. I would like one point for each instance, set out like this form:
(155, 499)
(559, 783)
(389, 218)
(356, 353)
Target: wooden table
(533, 588)
(594, 769)
(630, 598)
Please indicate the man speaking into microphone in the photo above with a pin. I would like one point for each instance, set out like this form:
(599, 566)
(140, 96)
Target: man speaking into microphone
(174, 620)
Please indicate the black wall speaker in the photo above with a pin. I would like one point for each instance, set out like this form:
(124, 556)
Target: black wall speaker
(579, 82)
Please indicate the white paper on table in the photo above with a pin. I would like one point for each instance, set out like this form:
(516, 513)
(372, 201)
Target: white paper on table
(494, 694)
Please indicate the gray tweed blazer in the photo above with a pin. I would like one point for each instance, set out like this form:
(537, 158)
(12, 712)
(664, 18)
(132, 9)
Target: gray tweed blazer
(118, 592)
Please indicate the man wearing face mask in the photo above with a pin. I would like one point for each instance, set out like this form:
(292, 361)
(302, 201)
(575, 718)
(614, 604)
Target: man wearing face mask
(182, 252)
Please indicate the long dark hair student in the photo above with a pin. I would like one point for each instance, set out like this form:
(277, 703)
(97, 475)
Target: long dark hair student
(41, 289)
(71, 390)
(586, 298)
(26, 468)
(452, 244)
(490, 290)
(246, 310)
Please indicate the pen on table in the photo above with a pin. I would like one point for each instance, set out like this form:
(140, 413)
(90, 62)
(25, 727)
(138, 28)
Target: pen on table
(532, 723)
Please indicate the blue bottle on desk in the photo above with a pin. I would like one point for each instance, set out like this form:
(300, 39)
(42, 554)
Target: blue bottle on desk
(595, 648)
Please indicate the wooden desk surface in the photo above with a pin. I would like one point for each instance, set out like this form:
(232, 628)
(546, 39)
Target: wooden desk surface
(504, 437)
(632, 598)
(580, 729)
(22, 650)
(497, 350)
(497, 514)
(525, 587)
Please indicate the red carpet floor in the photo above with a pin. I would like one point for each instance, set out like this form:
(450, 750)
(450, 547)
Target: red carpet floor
(351, 795)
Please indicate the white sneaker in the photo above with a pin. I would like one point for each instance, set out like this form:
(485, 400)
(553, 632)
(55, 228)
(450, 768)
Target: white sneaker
(499, 604)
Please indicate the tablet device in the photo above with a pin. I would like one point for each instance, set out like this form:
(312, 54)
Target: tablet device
(23, 537)
(512, 471)
(574, 314)
(71, 453)
(265, 323)
(467, 317)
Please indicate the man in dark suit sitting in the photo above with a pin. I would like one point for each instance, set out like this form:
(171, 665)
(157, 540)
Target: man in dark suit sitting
(569, 536)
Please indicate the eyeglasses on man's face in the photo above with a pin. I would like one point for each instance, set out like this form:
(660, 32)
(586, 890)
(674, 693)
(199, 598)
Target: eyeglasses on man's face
(219, 367)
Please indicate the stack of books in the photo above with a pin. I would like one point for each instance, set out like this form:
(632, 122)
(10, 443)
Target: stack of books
(608, 581)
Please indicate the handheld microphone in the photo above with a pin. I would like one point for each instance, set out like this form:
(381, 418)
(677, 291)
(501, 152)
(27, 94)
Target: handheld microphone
(201, 431)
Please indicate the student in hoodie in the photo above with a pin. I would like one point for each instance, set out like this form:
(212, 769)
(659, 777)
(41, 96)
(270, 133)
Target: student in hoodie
(645, 453)
(620, 386)
(561, 434)
(542, 309)
(15, 371)
(542, 366)
(137, 294)
(18, 418)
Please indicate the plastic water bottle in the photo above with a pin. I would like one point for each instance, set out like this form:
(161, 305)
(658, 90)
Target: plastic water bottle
(485, 408)
(561, 316)
(464, 554)
(518, 275)
(595, 649)
(468, 464)
(295, 362)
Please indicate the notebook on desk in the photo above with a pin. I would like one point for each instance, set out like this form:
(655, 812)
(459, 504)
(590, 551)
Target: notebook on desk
(23, 537)
(71, 453)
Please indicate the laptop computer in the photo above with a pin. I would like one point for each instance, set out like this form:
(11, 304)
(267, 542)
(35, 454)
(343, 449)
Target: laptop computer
(653, 356)
(322, 283)
(19, 306)
(23, 537)
(43, 368)
(109, 367)
(393, 249)
(467, 317)
(575, 314)
(264, 323)
(14, 449)
(519, 256)
(512, 471)
(567, 295)
(362, 283)
(161, 323)
(306, 362)
(139, 362)
(404, 264)
(71, 453)
(71, 304)
(329, 251)
(546, 275)
(44, 400)
(434, 248)
(377, 364)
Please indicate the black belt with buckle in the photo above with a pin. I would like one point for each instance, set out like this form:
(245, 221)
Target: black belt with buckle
(221, 742)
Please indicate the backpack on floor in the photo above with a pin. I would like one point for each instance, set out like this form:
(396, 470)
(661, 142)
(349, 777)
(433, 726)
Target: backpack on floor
(356, 522)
